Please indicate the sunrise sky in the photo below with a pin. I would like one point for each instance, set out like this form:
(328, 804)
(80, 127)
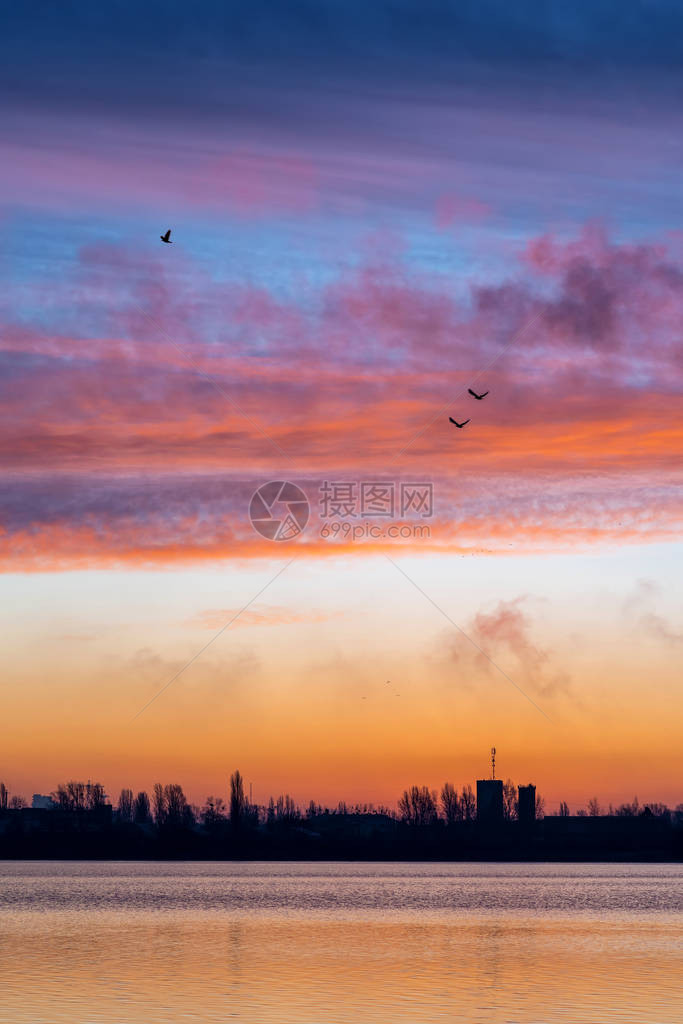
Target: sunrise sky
(371, 209)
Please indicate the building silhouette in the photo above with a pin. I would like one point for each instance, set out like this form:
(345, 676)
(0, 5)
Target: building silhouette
(42, 803)
(489, 801)
(526, 803)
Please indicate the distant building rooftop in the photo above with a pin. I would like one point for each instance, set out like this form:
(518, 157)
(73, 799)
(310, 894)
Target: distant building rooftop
(42, 803)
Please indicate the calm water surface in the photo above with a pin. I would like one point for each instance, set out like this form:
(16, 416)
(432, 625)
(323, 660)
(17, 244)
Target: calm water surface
(336, 943)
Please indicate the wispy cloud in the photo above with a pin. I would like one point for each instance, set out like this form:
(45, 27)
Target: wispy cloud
(638, 612)
(264, 615)
(506, 634)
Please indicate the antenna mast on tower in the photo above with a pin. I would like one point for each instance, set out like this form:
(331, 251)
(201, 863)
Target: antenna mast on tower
(493, 762)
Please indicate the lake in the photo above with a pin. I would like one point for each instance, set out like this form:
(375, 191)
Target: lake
(321, 943)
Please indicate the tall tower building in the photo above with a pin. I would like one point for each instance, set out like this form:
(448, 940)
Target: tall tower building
(489, 801)
(526, 805)
(490, 796)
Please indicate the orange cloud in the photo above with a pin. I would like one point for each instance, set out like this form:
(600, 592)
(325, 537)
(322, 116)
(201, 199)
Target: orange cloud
(124, 445)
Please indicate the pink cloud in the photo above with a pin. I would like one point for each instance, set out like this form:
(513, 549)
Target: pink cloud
(356, 371)
(265, 615)
(143, 169)
(254, 182)
(456, 209)
(506, 633)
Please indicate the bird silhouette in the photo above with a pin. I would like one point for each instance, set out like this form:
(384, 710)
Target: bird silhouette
(167, 237)
(475, 395)
(459, 425)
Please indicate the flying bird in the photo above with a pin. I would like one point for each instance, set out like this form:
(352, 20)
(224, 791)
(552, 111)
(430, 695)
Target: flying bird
(475, 395)
(459, 425)
(167, 237)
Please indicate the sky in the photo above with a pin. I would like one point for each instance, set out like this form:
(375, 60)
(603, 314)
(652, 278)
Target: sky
(373, 207)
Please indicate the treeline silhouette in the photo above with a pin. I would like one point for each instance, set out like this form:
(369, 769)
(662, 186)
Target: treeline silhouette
(78, 821)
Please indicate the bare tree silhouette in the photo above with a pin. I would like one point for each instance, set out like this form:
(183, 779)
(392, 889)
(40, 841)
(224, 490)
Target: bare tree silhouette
(238, 802)
(451, 808)
(658, 809)
(77, 797)
(158, 804)
(286, 810)
(213, 812)
(95, 797)
(510, 807)
(125, 805)
(70, 796)
(417, 806)
(469, 803)
(178, 812)
(141, 812)
(628, 810)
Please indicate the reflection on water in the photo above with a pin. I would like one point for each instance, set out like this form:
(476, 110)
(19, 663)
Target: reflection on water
(328, 943)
